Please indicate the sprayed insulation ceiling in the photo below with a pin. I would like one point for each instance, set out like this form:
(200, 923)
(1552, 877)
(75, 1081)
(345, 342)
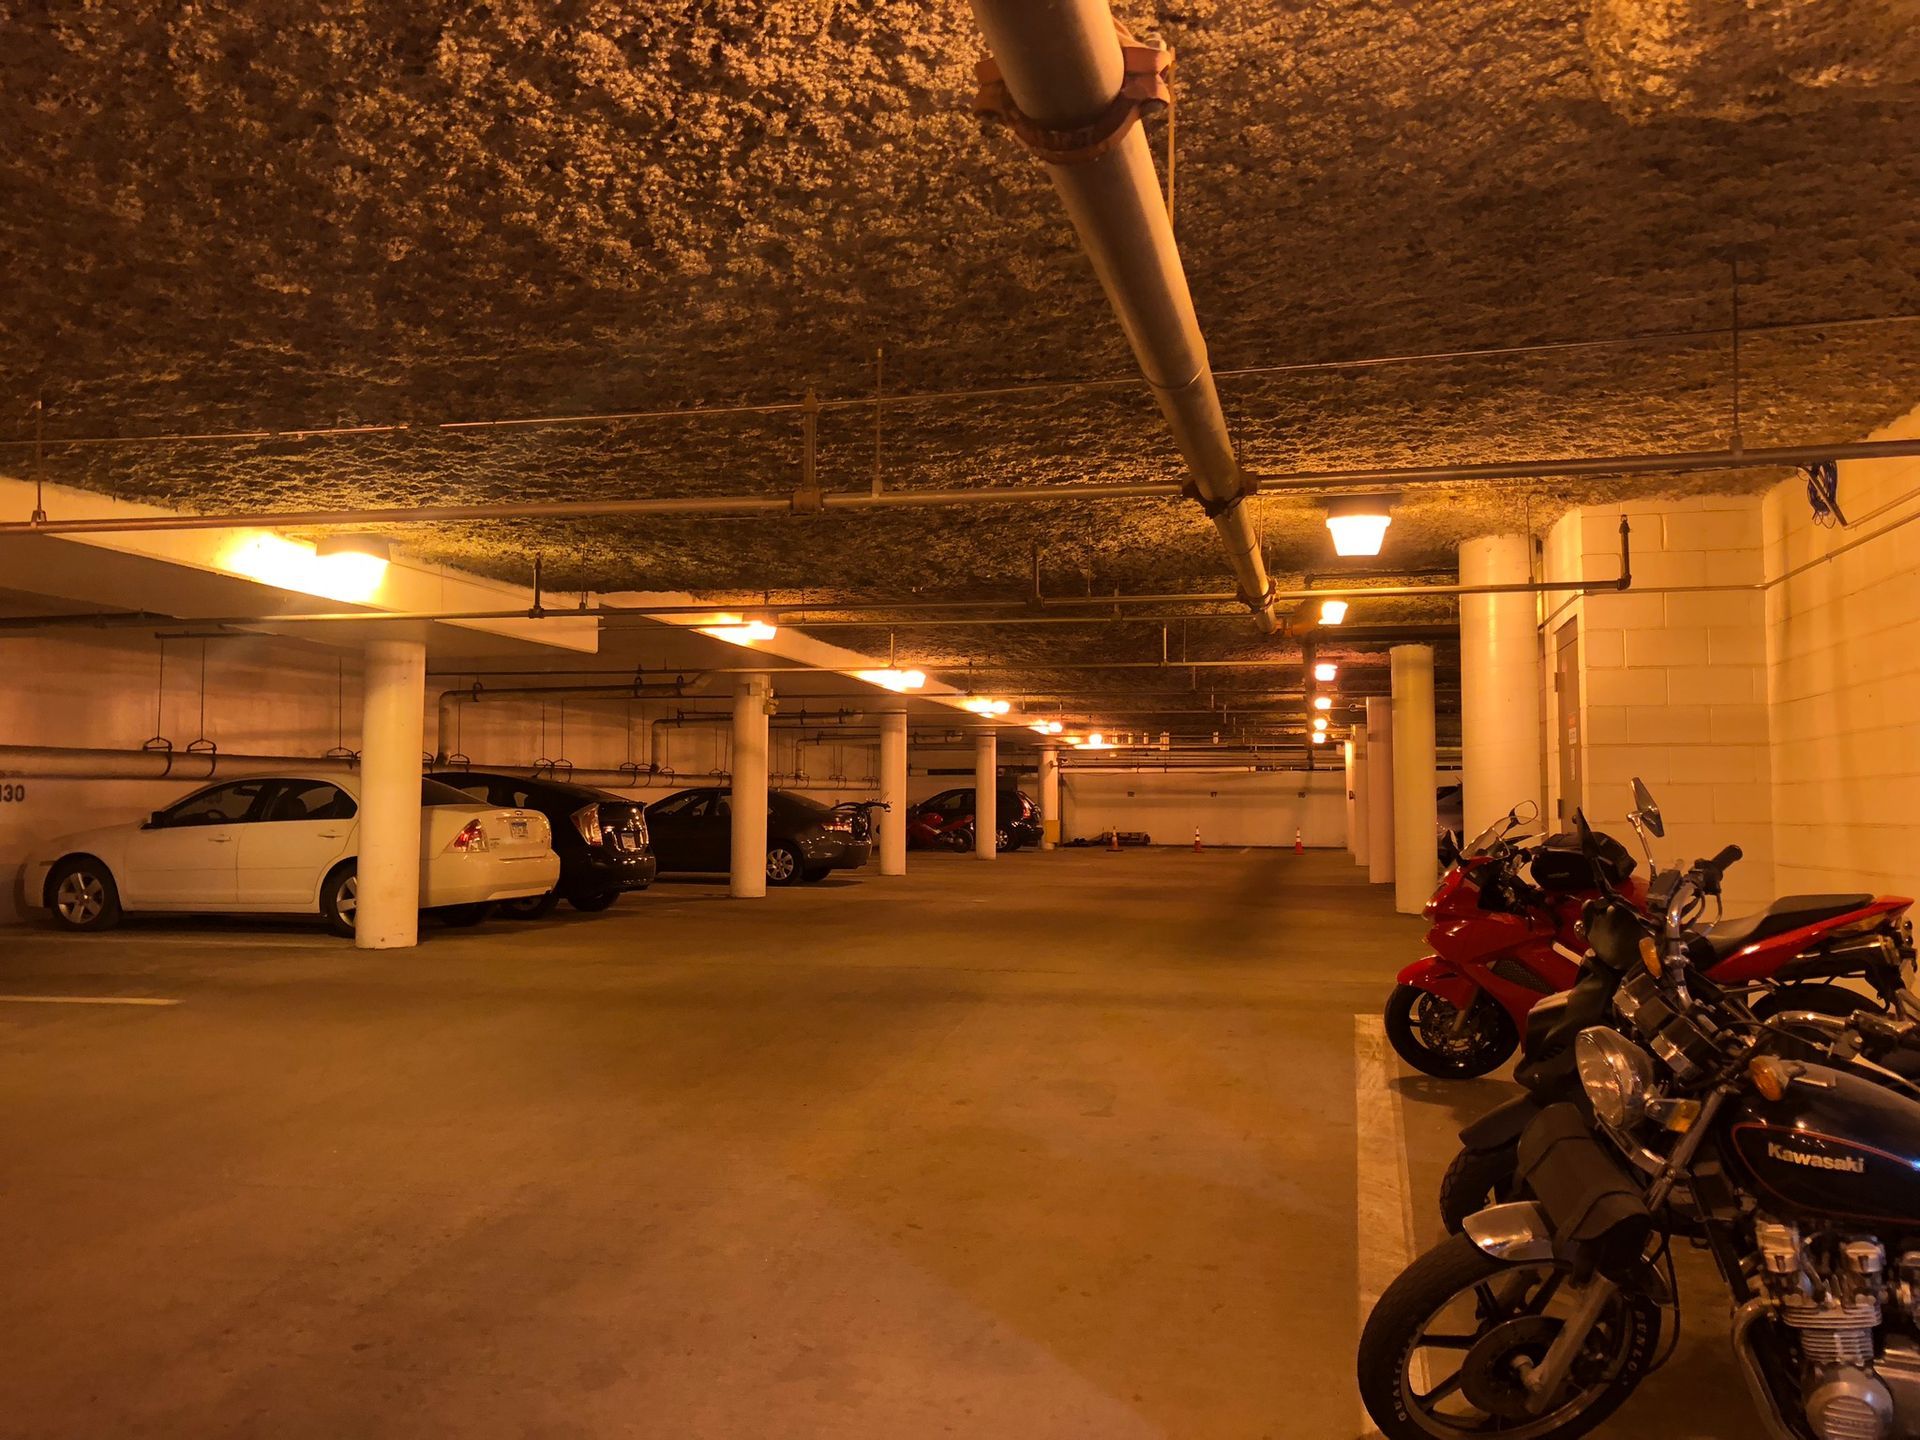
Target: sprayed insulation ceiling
(368, 213)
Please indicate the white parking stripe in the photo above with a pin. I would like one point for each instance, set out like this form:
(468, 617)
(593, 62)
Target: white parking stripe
(1383, 1205)
(84, 1000)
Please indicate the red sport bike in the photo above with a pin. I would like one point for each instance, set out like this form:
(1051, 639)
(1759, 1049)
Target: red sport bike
(1507, 933)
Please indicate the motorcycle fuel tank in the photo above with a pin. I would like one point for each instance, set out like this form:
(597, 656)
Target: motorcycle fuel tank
(1834, 1145)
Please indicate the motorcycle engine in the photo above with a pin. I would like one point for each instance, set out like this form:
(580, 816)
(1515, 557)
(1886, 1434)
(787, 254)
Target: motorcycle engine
(1832, 1291)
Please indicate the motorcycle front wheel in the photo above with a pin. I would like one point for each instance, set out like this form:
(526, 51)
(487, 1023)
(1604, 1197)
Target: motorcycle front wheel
(1445, 1351)
(1427, 1032)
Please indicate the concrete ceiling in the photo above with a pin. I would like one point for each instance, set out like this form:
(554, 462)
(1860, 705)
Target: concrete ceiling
(315, 215)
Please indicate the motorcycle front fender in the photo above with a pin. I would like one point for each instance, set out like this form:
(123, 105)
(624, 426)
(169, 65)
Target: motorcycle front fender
(1442, 978)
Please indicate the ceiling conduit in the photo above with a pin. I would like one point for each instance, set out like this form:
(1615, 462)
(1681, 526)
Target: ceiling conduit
(1073, 85)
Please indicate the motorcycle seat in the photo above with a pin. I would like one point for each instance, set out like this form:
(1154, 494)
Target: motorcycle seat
(1789, 912)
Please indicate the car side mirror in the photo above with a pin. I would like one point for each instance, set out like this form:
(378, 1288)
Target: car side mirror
(1649, 811)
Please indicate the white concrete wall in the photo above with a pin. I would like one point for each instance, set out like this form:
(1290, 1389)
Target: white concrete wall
(1229, 807)
(1673, 685)
(1843, 683)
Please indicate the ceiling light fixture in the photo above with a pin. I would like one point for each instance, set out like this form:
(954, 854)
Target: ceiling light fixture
(1332, 612)
(895, 680)
(1359, 522)
(1324, 671)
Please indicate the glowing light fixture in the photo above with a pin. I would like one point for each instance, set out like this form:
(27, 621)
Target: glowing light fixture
(1332, 612)
(895, 680)
(1326, 670)
(349, 568)
(741, 632)
(1359, 522)
(1319, 737)
(1323, 702)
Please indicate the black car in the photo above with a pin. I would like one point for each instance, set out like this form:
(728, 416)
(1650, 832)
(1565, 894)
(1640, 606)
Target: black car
(945, 821)
(693, 830)
(601, 838)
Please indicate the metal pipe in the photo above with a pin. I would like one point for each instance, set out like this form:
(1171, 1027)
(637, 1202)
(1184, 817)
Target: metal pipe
(1064, 70)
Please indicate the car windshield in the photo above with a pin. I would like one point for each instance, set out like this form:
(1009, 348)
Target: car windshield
(433, 792)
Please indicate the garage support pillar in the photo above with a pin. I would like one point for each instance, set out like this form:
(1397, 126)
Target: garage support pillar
(392, 718)
(986, 793)
(1499, 684)
(752, 696)
(1416, 861)
(1379, 790)
(1361, 800)
(1049, 796)
(893, 790)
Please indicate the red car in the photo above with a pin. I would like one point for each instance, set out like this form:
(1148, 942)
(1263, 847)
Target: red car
(945, 821)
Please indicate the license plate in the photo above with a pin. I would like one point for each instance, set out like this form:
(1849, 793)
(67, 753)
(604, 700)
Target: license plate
(517, 829)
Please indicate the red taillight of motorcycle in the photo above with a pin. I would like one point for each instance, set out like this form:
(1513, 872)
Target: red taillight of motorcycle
(472, 839)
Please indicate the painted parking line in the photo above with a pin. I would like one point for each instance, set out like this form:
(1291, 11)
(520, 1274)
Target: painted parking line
(84, 1000)
(1383, 1198)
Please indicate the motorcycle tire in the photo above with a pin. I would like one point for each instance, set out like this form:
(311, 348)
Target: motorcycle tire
(1447, 1274)
(1475, 1180)
(1490, 1042)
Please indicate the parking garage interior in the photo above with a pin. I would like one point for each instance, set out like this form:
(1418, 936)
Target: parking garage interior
(1190, 467)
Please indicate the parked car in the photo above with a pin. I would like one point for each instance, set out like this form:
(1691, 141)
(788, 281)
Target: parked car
(693, 830)
(601, 838)
(945, 821)
(287, 845)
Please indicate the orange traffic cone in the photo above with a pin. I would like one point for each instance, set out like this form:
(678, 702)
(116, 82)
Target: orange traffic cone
(1299, 847)
(1198, 848)
(1113, 839)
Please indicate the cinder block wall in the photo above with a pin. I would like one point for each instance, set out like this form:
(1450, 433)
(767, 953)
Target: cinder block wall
(1672, 685)
(1843, 680)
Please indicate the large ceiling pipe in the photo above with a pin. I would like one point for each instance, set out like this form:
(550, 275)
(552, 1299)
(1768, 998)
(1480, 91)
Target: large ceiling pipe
(1060, 75)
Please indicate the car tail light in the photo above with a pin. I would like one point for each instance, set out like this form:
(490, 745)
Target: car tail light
(587, 821)
(472, 839)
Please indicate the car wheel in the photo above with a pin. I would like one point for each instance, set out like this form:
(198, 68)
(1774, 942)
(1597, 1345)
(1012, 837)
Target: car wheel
(531, 907)
(81, 895)
(783, 865)
(340, 900)
(590, 902)
(463, 915)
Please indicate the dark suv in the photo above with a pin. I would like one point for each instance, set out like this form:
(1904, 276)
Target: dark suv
(945, 821)
(601, 838)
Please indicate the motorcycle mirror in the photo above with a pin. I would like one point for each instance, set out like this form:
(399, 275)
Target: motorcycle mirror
(1649, 811)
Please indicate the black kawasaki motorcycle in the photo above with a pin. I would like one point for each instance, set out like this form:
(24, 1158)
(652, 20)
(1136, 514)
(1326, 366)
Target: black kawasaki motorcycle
(1801, 1179)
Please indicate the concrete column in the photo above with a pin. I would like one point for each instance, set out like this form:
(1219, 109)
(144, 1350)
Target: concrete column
(1346, 753)
(1362, 820)
(1379, 790)
(751, 697)
(1416, 861)
(893, 790)
(986, 792)
(1500, 761)
(387, 877)
(1049, 797)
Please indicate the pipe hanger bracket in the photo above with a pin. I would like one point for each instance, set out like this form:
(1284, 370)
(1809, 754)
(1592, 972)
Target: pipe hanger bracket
(1145, 89)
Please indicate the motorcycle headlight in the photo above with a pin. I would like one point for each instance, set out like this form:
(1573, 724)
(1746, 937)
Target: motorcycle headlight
(1616, 1074)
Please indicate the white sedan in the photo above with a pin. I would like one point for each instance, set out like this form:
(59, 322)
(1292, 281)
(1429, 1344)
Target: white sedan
(287, 845)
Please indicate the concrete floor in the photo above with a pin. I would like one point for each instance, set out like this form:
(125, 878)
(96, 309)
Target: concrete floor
(1064, 1147)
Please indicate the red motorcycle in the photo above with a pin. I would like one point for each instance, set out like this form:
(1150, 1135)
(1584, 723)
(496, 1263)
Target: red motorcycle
(1502, 943)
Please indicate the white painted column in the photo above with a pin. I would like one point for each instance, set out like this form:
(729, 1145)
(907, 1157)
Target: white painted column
(1379, 790)
(1416, 861)
(387, 877)
(1346, 753)
(893, 790)
(1049, 796)
(986, 792)
(1362, 819)
(751, 697)
(1499, 683)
